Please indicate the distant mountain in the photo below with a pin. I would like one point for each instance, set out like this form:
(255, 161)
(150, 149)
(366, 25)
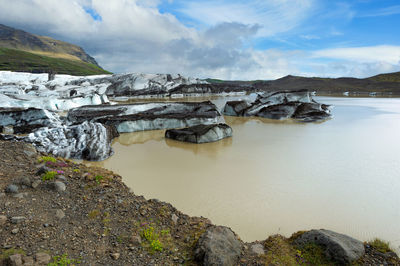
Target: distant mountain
(21, 61)
(394, 77)
(13, 40)
(385, 84)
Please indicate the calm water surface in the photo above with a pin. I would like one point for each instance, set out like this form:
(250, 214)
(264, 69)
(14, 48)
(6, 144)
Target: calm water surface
(280, 177)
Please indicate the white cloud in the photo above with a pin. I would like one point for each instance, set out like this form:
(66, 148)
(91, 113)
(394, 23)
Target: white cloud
(134, 36)
(275, 16)
(382, 53)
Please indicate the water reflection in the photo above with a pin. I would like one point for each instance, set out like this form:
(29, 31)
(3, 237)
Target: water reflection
(208, 149)
(140, 137)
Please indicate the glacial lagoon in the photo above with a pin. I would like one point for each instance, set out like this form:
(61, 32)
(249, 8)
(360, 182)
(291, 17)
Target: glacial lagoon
(279, 177)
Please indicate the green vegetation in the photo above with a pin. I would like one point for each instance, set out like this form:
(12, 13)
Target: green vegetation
(314, 254)
(6, 253)
(380, 245)
(63, 260)
(21, 61)
(152, 238)
(47, 159)
(93, 214)
(390, 77)
(98, 178)
(50, 175)
(280, 251)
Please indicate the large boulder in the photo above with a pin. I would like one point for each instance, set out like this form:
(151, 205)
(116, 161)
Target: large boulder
(298, 105)
(200, 133)
(338, 247)
(25, 120)
(218, 246)
(148, 116)
(88, 141)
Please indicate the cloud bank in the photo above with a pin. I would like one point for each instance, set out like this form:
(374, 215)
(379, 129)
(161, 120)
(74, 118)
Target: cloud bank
(218, 39)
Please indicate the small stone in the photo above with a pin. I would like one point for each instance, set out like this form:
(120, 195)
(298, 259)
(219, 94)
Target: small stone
(45, 225)
(2, 194)
(12, 189)
(42, 258)
(100, 250)
(19, 195)
(58, 186)
(42, 170)
(175, 218)
(3, 219)
(30, 150)
(28, 261)
(15, 231)
(258, 249)
(35, 183)
(17, 219)
(15, 260)
(136, 240)
(60, 214)
(62, 178)
(115, 256)
(25, 181)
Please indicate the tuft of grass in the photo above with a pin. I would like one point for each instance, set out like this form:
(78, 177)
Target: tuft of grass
(63, 260)
(93, 214)
(50, 175)
(380, 245)
(47, 159)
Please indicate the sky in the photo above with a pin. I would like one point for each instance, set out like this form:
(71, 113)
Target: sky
(236, 39)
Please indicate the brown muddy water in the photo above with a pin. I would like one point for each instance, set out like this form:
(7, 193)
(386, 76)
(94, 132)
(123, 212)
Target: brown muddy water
(280, 177)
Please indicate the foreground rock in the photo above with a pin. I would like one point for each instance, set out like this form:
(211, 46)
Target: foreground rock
(148, 116)
(200, 133)
(25, 120)
(340, 248)
(89, 141)
(298, 105)
(218, 246)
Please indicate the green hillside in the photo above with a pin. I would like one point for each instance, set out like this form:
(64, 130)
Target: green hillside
(21, 61)
(390, 77)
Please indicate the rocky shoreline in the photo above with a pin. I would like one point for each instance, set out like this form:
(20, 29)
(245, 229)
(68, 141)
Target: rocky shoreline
(53, 209)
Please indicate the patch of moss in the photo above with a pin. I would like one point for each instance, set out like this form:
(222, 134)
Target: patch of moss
(279, 251)
(314, 254)
(380, 245)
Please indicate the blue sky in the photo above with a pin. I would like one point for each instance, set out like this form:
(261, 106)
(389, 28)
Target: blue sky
(254, 39)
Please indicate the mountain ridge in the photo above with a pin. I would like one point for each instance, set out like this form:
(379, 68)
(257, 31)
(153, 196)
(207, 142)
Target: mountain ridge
(12, 38)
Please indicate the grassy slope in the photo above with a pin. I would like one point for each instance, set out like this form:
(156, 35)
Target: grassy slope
(21, 61)
(390, 77)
